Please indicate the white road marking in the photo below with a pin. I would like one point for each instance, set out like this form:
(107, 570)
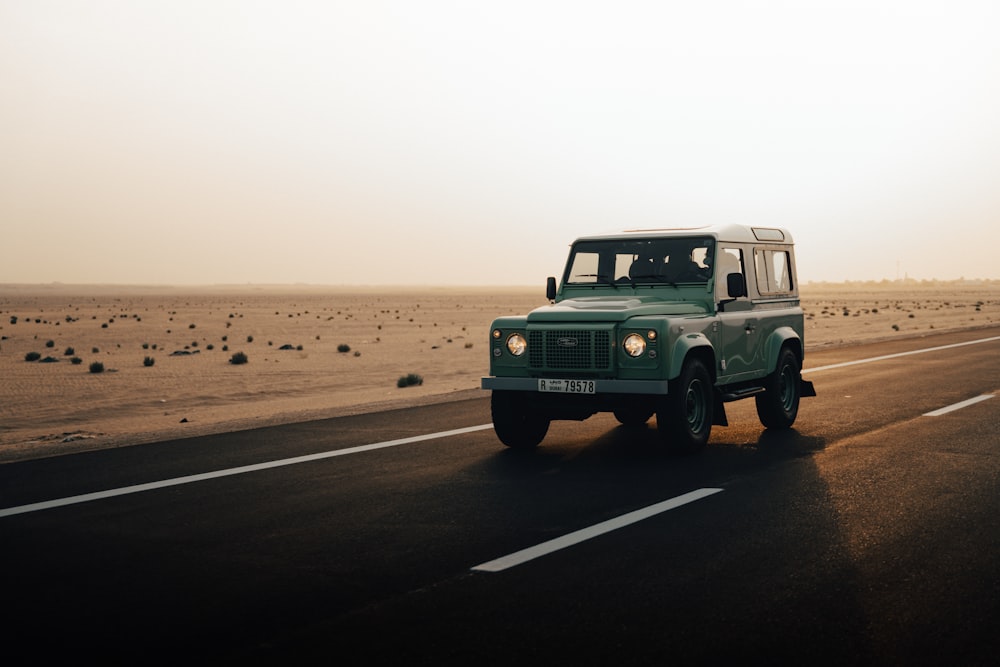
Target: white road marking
(957, 406)
(571, 539)
(189, 479)
(897, 355)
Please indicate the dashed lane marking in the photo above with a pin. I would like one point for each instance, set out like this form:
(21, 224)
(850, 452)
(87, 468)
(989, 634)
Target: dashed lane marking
(957, 406)
(571, 539)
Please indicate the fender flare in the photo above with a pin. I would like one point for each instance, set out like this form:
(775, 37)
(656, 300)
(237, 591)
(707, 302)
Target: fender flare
(683, 346)
(778, 339)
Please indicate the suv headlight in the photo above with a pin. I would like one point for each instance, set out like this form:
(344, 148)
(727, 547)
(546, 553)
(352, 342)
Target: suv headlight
(634, 345)
(516, 344)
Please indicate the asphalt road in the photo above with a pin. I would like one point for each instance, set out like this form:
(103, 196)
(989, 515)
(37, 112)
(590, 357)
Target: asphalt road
(868, 534)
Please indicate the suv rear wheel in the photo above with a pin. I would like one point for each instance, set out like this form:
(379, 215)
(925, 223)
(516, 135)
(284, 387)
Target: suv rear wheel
(778, 406)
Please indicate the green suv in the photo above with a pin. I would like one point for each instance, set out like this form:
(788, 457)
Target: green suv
(673, 323)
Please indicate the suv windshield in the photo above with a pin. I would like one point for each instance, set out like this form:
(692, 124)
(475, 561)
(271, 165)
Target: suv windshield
(640, 261)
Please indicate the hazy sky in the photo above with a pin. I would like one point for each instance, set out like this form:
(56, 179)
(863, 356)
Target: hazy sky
(431, 142)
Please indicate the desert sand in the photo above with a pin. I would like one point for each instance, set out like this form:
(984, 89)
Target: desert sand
(315, 352)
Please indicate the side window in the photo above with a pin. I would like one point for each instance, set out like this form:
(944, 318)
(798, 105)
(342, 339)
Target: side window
(730, 260)
(760, 266)
(780, 272)
(774, 274)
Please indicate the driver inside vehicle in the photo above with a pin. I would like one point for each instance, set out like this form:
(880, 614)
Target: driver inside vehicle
(686, 267)
(646, 268)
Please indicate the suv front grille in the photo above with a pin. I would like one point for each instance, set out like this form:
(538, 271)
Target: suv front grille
(569, 349)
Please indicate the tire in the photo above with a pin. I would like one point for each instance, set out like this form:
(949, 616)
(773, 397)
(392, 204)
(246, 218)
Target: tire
(684, 418)
(633, 414)
(778, 406)
(514, 421)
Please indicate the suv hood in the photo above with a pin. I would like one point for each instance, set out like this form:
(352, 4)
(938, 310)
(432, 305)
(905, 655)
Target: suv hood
(613, 309)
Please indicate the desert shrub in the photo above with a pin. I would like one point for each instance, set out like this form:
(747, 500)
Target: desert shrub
(76, 361)
(343, 347)
(209, 347)
(69, 352)
(409, 380)
(50, 343)
(13, 319)
(145, 346)
(249, 339)
(148, 361)
(225, 348)
(96, 367)
(238, 358)
(33, 356)
(94, 350)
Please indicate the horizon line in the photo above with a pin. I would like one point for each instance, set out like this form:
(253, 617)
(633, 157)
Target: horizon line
(298, 284)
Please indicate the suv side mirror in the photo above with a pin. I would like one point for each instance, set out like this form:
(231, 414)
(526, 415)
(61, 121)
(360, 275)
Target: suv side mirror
(736, 285)
(550, 288)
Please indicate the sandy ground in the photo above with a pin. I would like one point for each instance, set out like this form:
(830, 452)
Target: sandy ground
(345, 349)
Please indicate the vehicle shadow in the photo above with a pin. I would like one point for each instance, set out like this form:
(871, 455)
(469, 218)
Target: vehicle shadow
(767, 564)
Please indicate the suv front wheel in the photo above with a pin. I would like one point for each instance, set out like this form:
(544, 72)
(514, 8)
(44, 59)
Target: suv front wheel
(778, 406)
(684, 418)
(515, 422)
(636, 414)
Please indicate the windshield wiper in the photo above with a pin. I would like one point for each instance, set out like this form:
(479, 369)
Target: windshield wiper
(600, 278)
(650, 279)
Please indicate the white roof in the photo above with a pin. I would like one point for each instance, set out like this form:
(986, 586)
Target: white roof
(731, 233)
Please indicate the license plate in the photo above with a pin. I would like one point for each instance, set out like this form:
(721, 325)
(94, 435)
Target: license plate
(567, 386)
